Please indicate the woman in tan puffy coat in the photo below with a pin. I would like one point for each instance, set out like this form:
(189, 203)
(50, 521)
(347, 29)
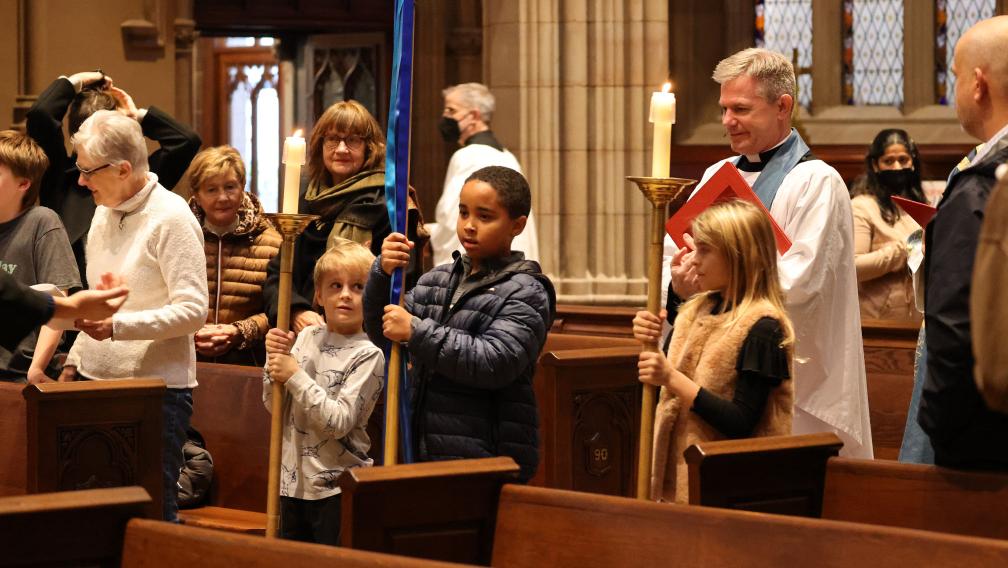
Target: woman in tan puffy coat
(885, 288)
(239, 242)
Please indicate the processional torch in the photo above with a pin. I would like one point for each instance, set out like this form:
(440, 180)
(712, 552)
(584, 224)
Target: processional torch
(667, 195)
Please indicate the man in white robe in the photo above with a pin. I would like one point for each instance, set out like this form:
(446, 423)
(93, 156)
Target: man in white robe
(466, 119)
(809, 201)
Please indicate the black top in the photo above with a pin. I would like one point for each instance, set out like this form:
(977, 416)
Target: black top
(762, 365)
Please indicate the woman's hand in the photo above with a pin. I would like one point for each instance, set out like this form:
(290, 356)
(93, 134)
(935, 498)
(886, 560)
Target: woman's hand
(278, 341)
(37, 377)
(68, 374)
(88, 78)
(281, 367)
(647, 326)
(654, 369)
(395, 252)
(214, 340)
(99, 330)
(306, 318)
(124, 102)
(684, 279)
(396, 323)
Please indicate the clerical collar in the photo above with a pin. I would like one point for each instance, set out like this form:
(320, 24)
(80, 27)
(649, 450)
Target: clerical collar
(485, 138)
(756, 162)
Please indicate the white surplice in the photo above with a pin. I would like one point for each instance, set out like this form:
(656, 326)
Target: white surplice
(817, 275)
(466, 160)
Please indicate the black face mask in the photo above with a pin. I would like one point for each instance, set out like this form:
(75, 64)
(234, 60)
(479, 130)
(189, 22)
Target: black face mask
(898, 182)
(449, 129)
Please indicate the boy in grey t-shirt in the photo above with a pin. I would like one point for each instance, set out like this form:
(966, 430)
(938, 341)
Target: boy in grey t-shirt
(34, 249)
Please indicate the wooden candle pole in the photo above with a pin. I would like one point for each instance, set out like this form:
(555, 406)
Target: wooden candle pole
(290, 226)
(661, 192)
(391, 450)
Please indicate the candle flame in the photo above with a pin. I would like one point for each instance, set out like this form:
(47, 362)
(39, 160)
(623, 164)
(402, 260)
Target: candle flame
(298, 133)
(667, 87)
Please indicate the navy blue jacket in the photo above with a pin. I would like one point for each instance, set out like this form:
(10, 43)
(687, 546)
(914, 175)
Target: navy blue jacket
(963, 431)
(473, 361)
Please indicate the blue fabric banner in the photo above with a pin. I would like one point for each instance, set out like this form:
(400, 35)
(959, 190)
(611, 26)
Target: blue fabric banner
(397, 180)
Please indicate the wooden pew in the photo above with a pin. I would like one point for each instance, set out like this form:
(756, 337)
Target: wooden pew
(545, 527)
(81, 435)
(774, 474)
(13, 440)
(71, 528)
(604, 321)
(889, 351)
(437, 510)
(94, 528)
(589, 411)
(150, 544)
(228, 411)
(801, 475)
(916, 496)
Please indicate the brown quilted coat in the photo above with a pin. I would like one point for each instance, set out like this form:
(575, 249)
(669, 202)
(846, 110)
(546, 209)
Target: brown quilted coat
(236, 270)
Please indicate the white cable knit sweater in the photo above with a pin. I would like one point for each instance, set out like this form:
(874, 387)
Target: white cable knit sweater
(155, 243)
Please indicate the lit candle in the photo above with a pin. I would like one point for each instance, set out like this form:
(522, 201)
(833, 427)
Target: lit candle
(663, 117)
(293, 159)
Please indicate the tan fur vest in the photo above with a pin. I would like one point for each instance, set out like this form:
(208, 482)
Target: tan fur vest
(706, 351)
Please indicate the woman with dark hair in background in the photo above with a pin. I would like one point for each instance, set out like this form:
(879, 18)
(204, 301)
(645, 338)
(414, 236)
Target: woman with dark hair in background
(881, 228)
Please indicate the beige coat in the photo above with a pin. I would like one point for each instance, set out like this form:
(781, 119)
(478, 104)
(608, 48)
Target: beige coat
(706, 351)
(885, 287)
(988, 309)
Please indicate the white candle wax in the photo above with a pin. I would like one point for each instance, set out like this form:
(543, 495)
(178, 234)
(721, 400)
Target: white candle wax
(293, 159)
(663, 116)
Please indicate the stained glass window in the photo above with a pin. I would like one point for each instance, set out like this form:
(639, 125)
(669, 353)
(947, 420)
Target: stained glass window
(952, 18)
(785, 26)
(873, 52)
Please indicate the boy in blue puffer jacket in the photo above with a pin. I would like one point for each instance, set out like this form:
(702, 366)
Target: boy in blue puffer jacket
(473, 329)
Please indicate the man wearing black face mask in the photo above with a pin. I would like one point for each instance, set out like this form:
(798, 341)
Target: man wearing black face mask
(465, 122)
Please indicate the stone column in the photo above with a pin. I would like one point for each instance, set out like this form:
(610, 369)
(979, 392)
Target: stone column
(25, 94)
(573, 80)
(185, 36)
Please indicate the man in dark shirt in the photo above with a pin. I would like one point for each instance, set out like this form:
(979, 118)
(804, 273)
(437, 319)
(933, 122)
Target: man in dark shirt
(77, 97)
(964, 431)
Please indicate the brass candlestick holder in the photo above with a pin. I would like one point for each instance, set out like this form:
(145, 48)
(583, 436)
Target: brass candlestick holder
(290, 225)
(666, 195)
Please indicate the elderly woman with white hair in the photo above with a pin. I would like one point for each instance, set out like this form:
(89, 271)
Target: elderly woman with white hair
(147, 234)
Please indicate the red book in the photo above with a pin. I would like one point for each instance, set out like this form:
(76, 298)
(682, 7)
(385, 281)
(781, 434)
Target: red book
(727, 183)
(920, 212)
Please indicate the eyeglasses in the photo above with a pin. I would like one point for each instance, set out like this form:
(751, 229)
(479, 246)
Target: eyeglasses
(352, 142)
(88, 173)
(231, 189)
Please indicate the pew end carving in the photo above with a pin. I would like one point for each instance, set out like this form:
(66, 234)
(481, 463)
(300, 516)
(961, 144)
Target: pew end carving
(436, 510)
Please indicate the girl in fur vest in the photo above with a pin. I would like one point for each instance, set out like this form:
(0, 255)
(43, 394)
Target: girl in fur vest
(727, 373)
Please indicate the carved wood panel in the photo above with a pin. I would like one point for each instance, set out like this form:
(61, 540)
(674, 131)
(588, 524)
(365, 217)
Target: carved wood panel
(603, 436)
(96, 456)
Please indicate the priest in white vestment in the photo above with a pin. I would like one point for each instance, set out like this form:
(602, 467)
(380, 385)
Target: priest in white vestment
(809, 201)
(466, 119)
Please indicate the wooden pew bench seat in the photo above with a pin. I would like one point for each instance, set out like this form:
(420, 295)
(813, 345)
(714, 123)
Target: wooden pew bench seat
(549, 527)
(223, 518)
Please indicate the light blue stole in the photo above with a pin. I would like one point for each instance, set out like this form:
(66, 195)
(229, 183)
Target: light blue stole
(783, 161)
